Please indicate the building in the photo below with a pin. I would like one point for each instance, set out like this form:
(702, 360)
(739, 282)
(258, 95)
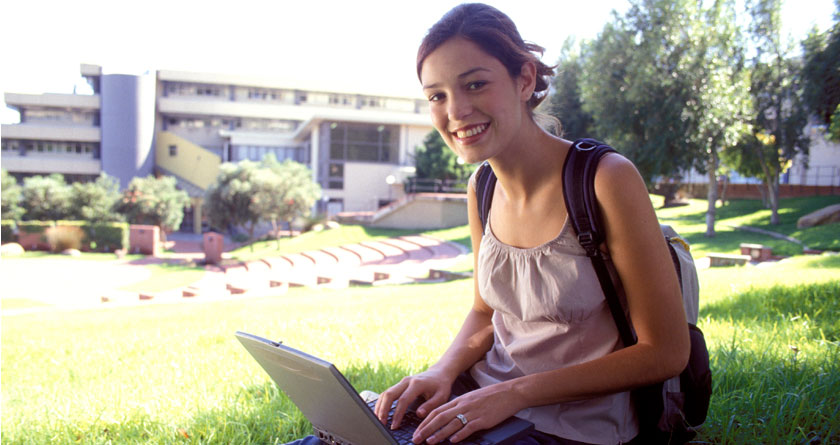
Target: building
(359, 145)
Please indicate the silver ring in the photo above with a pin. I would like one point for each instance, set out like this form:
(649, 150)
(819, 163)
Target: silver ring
(462, 418)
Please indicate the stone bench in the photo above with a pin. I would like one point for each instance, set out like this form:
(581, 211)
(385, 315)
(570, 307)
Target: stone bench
(757, 252)
(725, 259)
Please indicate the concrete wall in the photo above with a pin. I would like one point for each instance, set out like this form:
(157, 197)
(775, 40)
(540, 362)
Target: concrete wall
(127, 123)
(432, 211)
(364, 185)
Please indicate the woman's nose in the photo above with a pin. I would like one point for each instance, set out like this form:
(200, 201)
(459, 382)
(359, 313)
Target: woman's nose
(459, 107)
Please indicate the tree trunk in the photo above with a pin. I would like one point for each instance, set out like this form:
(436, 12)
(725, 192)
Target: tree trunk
(251, 228)
(276, 232)
(724, 184)
(773, 195)
(711, 196)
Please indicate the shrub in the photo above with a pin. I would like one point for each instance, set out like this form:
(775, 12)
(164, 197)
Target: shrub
(106, 237)
(7, 234)
(34, 226)
(31, 234)
(65, 237)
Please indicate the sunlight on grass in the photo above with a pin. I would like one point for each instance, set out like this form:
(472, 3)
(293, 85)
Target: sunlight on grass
(19, 303)
(175, 373)
(143, 372)
(166, 276)
(84, 256)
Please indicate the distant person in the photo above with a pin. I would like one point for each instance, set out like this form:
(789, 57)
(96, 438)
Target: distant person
(539, 342)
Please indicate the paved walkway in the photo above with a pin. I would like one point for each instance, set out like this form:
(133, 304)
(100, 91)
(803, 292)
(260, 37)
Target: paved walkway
(64, 283)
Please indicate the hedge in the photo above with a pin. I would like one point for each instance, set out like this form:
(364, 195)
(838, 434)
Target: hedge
(34, 226)
(106, 237)
(7, 231)
(99, 237)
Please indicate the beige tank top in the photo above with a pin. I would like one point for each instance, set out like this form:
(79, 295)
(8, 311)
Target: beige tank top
(550, 312)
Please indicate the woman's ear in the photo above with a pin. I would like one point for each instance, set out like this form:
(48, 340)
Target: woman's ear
(527, 80)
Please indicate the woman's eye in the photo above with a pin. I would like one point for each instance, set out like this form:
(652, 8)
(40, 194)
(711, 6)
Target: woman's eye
(435, 97)
(476, 85)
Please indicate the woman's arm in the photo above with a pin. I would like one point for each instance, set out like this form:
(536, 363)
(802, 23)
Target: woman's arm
(470, 344)
(643, 262)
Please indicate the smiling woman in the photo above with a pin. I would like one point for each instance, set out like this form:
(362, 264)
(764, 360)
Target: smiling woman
(539, 342)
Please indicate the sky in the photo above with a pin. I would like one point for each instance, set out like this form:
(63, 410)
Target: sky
(367, 45)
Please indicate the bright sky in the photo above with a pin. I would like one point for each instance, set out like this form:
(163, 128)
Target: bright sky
(364, 44)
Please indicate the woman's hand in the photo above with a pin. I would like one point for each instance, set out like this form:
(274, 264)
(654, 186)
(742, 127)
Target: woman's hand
(433, 385)
(480, 409)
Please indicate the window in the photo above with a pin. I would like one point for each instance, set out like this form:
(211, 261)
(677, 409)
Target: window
(363, 142)
(173, 150)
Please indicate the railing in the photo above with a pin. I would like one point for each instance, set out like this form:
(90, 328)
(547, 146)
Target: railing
(423, 185)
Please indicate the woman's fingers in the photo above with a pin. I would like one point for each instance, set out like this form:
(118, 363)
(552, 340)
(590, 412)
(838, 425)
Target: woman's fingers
(447, 423)
(449, 428)
(386, 399)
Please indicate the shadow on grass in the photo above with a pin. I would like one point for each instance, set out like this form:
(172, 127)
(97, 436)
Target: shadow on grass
(818, 304)
(790, 210)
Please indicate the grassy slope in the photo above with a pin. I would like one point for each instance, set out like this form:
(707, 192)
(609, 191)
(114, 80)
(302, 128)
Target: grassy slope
(174, 373)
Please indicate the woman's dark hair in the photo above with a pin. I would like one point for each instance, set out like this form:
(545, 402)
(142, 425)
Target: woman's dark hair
(496, 34)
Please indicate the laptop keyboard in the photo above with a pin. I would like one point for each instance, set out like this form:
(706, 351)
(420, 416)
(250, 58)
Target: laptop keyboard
(410, 423)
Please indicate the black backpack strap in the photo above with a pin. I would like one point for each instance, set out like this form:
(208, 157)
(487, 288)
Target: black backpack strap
(582, 207)
(485, 183)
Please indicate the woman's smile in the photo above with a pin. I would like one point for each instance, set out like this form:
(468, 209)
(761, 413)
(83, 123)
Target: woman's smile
(470, 134)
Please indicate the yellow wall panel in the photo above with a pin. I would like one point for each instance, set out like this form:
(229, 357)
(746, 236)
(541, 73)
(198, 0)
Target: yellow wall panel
(189, 161)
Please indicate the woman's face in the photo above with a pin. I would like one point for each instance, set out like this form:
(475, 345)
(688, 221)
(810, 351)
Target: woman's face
(475, 104)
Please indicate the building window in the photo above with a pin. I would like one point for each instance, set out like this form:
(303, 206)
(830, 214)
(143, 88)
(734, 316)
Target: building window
(335, 177)
(364, 142)
(173, 150)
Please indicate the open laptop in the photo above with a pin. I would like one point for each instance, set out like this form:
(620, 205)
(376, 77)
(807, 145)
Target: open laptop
(337, 412)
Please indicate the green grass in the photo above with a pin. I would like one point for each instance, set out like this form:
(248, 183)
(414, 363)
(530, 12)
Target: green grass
(84, 256)
(137, 375)
(175, 373)
(155, 373)
(689, 222)
(19, 303)
(166, 276)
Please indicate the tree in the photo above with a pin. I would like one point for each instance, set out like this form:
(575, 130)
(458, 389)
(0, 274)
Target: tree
(834, 128)
(46, 198)
(11, 197)
(289, 194)
(154, 201)
(435, 160)
(821, 72)
(780, 114)
(229, 199)
(95, 201)
(638, 84)
(565, 103)
(719, 108)
(249, 193)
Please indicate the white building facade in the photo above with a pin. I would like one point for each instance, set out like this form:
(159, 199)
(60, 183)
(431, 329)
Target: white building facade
(359, 145)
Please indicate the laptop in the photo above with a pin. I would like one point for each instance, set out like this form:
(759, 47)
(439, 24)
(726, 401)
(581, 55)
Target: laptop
(337, 413)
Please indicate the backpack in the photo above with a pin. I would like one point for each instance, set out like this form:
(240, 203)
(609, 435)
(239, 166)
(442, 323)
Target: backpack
(669, 411)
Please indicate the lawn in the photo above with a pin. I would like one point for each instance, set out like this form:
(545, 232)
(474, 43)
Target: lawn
(175, 373)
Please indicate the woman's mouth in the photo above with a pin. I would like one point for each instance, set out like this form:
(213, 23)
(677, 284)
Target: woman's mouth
(469, 132)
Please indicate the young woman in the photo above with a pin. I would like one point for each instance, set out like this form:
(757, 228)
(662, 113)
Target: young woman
(539, 341)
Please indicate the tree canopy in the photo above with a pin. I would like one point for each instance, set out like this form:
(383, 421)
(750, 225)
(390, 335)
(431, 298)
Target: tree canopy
(249, 193)
(154, 201)
(95, 201)
(46, 198)
(11, 197)
(435, 160)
